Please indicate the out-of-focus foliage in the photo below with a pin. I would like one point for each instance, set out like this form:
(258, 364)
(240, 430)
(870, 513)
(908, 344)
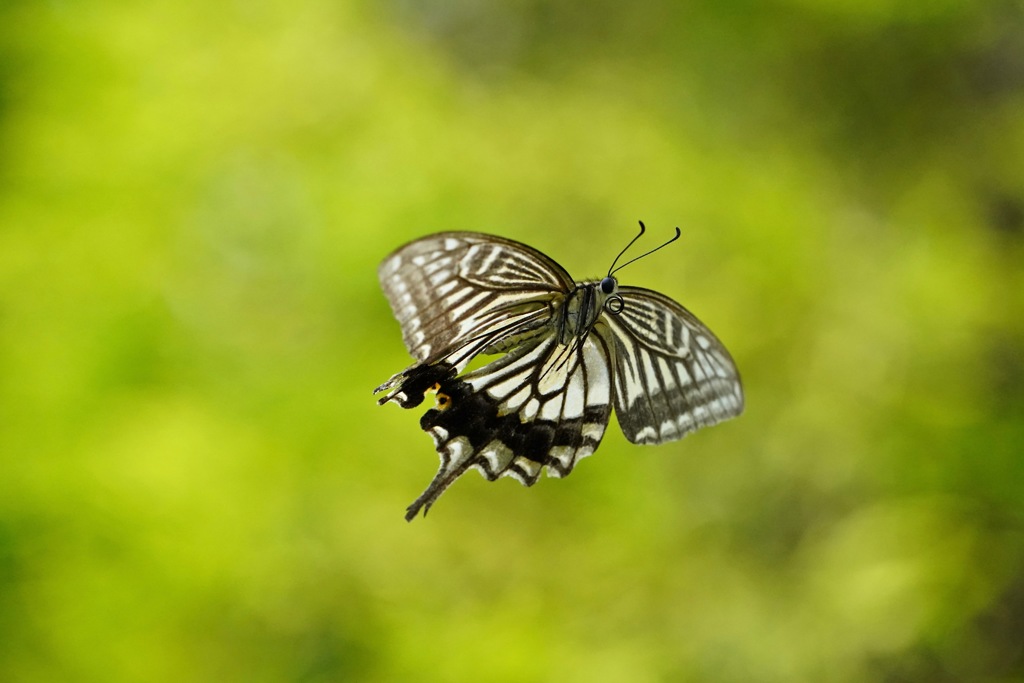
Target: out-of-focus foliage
(196, 483)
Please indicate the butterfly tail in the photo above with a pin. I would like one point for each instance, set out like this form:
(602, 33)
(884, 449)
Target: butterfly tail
(442, 480)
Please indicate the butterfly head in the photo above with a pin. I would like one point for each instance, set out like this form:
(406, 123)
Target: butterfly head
(613, 302)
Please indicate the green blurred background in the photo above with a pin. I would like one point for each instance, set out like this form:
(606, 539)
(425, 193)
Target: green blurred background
(197, 485)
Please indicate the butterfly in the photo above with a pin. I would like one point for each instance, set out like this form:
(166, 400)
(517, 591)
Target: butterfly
(565, 352)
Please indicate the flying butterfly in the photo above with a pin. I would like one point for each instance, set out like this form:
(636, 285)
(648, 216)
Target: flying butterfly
(567, 351)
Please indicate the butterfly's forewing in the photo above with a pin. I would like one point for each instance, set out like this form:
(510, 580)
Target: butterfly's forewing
(543, 404)
(672, 375)
(452, 288)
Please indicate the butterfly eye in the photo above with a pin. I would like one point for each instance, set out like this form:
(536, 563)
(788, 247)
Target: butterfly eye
(608, 285)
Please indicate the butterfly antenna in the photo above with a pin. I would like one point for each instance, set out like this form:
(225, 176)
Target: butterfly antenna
(613, 268)
(642, 230)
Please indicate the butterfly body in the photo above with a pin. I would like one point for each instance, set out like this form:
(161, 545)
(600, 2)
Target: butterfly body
(568, 352)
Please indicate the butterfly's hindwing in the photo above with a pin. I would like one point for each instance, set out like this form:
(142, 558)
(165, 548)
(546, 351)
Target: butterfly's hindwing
(672, 375)
(525, 411)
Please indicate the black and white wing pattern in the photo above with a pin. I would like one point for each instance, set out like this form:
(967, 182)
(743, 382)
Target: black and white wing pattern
(565, 352)
(455, 288)
(672, 375)
(535, 407)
